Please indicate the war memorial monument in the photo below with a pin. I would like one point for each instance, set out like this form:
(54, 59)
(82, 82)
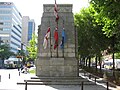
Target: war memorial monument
(59, 61)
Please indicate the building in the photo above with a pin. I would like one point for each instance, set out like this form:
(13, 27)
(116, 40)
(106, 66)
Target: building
(31, 29)
(28, 28)
(25, 20)
(10, 25)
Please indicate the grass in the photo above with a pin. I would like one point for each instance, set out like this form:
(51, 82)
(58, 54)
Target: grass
(32, 71)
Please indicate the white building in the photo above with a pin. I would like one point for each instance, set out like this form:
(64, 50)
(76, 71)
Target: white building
(25, 20)
(10, 25)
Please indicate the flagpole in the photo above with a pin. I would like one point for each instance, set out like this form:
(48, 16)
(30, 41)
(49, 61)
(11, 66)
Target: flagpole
(50, 40)
(57, 18)
(58, 39)
(63, 40)
(55, 1)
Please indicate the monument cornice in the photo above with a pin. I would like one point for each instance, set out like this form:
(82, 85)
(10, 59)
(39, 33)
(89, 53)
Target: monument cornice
(61, 7)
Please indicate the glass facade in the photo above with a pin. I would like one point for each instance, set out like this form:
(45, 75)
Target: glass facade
(31, 29)
(10, 25)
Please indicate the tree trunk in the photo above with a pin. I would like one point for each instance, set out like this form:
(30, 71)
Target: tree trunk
(89, 61)
(100, 64)
(96, 63)
(86, 62)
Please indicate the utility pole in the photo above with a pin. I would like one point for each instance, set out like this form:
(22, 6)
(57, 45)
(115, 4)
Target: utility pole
(0, 40)
(22, 46)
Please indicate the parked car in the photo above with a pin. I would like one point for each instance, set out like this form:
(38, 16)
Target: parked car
(12, 62)
(108, 64)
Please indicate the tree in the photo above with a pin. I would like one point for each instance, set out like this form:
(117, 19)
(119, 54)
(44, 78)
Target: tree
(91, 39)
(5, 52)
(109, 16)
(32, 48)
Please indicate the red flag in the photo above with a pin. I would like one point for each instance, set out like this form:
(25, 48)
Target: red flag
(56, 38)
(56, 11)
(47, 35)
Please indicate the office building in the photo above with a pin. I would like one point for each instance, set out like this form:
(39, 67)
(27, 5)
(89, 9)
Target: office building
(28, 28)
(31, 28)
(25, 20)
(10, 25)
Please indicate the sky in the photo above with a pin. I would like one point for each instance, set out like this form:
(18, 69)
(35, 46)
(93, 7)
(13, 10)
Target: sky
(34, 8)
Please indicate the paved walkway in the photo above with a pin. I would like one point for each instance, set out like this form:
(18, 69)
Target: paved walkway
(10, 77)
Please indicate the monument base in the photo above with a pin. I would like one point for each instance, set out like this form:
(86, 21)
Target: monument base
(57, 67)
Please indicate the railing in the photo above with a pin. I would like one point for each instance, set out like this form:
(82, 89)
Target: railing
(94, 78)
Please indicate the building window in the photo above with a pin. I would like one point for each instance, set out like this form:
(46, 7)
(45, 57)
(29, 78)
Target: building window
(7, 23)
(16, 38)
(16, 33)
(1, 23)
(5, 12)
(16, 28)
(5, 6)
(6, 29)
(1, 29)
(5, 18)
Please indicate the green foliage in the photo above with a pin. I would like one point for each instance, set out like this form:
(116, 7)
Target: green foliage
(117, 55)
(91, 39)
(108, 15)
(5, 51)
(32, 71)
(32, 48)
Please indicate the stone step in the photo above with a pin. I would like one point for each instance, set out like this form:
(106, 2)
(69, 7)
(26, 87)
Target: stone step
(57, 79)
(56, 83)
(65, 78)
(54, 80)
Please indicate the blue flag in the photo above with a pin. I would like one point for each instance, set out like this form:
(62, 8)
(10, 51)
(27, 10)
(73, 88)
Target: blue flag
(63, 39)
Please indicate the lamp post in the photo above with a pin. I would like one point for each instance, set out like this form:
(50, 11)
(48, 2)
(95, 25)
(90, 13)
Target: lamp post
(1, 41)
(18, 56)
(23, 52)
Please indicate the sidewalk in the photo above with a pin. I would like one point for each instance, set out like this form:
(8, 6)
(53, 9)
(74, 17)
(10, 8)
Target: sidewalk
(10, 77)
(99, 81)
(11, 84)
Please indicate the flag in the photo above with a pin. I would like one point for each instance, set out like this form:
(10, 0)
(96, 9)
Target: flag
(56, 11)
(47, 35)
(63, 39)
(56, 38)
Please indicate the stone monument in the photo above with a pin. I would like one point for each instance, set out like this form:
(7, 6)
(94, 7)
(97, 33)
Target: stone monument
(58, 62)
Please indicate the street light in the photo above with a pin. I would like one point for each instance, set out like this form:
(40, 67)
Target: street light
(19, 56)
(1, 41)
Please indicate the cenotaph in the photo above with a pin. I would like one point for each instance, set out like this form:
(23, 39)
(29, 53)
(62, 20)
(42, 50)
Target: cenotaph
(60, 62)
